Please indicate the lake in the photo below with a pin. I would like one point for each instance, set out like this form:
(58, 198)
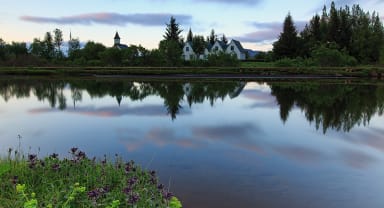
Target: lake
(215, 142)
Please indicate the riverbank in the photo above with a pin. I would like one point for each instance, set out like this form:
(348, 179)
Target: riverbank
(365, 72)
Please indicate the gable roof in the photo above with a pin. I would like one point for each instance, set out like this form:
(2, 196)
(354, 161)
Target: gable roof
(222, 44)
(239, 46)
(120, 46)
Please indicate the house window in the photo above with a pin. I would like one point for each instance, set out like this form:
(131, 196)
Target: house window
(187, 49)
(232, 48)
(216, 48)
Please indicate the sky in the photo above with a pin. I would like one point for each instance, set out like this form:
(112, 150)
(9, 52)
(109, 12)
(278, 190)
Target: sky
(256, 23)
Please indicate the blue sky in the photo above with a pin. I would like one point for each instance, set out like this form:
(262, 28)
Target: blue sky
(256, 23)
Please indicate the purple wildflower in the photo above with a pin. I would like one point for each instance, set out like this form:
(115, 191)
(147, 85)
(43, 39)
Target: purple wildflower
(54, 155)
(74, 150)
(167, 195)
(132, 181)
(127, 190)
(93, 194)
(160, 186)
(134, 198)
(32, 157)
(56, 167)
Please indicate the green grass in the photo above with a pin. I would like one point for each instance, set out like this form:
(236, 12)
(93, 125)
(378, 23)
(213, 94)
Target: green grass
(257, 64)
(78, 181)
(246, 68)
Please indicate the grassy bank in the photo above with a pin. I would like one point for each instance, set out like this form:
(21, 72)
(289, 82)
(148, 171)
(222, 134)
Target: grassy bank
(78, 181)
(365, 71)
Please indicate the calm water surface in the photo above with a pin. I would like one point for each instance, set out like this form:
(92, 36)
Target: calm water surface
(218, 143)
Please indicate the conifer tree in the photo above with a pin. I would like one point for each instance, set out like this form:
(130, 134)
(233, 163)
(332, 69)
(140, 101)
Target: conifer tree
(286, 45)
(190, 35)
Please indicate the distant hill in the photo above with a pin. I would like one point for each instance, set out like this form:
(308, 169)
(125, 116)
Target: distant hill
(252, 53)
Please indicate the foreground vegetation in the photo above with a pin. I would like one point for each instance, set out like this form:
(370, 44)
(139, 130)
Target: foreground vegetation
(78, 181)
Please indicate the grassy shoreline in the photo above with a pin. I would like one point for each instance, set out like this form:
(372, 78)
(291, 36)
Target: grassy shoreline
(78, 181)
(364, 71)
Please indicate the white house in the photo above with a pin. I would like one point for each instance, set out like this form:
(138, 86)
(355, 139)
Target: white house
(234, 47)
(188, 52)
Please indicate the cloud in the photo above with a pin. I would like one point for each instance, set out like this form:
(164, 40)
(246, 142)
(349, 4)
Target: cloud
(267, 31)
(150, 19)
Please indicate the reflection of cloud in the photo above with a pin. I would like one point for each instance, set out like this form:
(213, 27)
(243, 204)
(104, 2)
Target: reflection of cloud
(372, 138)
(301, 154)
(157, 136)
(225, 132)
(357, 159)
(145, 110)
(150, 19)
(242, 135)
(263, 99)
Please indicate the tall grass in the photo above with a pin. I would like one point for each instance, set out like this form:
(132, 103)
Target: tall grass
(78, 181)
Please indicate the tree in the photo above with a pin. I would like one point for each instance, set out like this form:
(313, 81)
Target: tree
(92, 50)
(333, 24)
(17, 49)
(212, 37)
(198, 45)
(224, 39)
(285, 46)
(49, 48)
(172, 44)
(172, 31)
(57, 41)
(190, 35)
(73, 48)
(2, 49)
(37, 48)
(172, 52)
(111, 56)
(324, 25)
(377, 38)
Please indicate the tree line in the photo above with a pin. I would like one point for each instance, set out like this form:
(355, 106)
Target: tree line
(344, 36)
(49, 52)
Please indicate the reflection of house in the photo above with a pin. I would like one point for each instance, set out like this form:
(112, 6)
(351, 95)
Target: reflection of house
(117, 43)
(234, 47)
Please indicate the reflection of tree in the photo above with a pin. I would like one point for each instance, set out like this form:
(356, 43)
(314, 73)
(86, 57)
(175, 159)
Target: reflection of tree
(334, 106)
(76, 96)
(172, 92)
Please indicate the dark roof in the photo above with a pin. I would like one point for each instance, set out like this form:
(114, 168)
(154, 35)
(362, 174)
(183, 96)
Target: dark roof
(117, 36)
(120, 46)
(209, 46)
(222, 44)
(239, 46)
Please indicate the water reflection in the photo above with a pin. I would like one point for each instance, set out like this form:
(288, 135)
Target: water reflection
(335, 106)
(219, 143)
(329, 106)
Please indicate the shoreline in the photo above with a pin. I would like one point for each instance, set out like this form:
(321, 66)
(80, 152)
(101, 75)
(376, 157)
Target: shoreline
(206, 72)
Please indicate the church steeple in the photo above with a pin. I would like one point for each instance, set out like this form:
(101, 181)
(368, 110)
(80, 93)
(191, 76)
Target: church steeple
(117, 38)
